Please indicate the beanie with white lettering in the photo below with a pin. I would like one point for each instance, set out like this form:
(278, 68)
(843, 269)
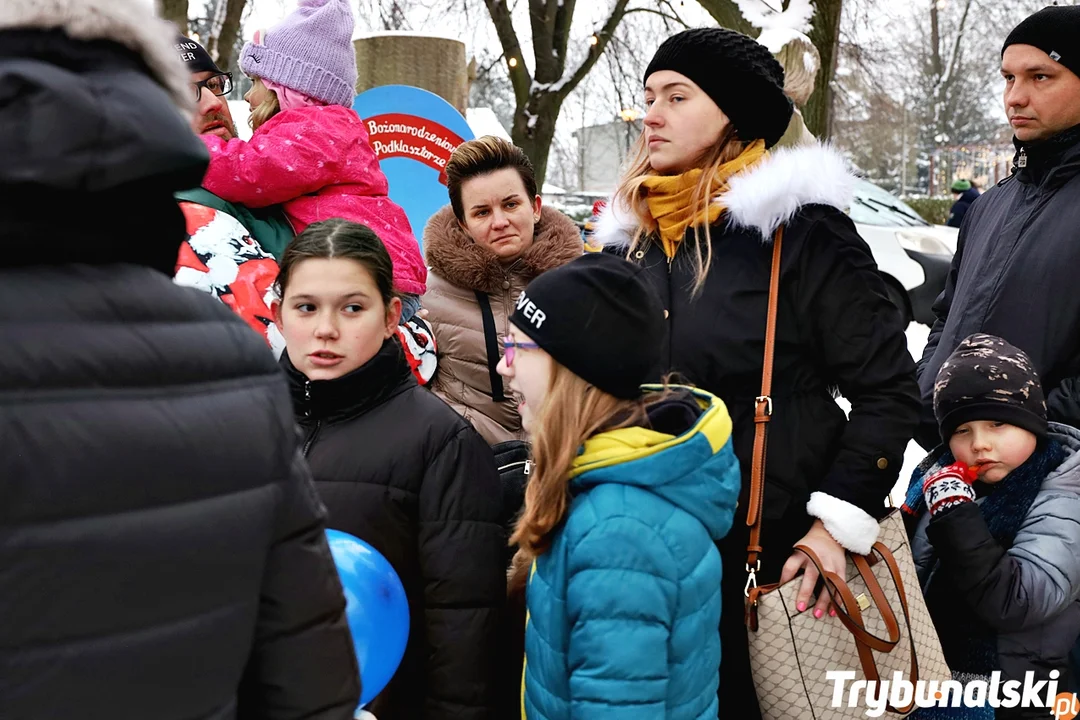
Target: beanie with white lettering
(600, 317)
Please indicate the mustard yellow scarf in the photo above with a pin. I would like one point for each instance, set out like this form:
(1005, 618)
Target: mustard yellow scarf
(670, 197)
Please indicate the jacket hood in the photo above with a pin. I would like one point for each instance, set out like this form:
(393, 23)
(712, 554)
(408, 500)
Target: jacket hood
(87, 117)
(452, 254)
(130, 23)
(695, 469)
(762, 197)
(1066, 477)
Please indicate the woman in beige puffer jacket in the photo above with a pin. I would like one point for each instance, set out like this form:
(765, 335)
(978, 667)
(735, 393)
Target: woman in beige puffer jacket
(479, 264)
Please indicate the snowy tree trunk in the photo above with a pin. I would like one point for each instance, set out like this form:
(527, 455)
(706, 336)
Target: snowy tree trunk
(825, 34)
(230, 31)
(176, 12)
(538, 96)
(534, 130)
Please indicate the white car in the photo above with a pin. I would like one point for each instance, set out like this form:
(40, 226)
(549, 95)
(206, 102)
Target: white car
(913, 255)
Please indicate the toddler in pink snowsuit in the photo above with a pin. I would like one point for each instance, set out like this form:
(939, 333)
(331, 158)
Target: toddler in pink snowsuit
(310, 151)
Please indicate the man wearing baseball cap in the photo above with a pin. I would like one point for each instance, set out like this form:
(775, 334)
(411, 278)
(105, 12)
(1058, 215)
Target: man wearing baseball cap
(1014, 272)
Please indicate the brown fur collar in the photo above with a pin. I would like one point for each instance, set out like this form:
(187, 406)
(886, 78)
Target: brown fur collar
(457, 259)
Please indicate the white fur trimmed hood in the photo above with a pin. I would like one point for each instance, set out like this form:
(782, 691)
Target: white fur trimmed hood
(763, 197)
(130, 23)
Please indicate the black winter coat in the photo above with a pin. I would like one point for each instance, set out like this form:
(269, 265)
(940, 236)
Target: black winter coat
(836, 329)
(961, 206)
(1014, 275)
(162, 550)
(399, 469)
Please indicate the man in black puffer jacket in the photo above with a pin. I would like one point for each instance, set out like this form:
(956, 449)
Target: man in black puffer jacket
(162, 549)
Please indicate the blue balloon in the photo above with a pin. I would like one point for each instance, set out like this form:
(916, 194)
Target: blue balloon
(376, 608)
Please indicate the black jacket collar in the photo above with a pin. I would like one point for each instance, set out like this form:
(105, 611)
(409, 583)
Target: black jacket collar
(1057, 158)
(371, 384)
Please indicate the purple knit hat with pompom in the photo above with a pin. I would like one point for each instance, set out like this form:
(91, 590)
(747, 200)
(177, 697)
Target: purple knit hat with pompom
(310, 51)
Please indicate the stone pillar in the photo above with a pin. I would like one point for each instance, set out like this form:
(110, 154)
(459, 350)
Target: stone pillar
(436, 64)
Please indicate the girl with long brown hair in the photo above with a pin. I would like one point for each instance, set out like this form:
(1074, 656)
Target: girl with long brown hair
(632, 489)
(698, 210)
(396, 467)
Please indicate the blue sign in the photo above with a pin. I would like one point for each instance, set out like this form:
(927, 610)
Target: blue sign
(413, 132)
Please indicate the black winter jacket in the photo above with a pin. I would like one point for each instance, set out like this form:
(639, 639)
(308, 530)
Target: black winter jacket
(162, 550)
(836, 329)
(399, 469)
(1014, 275)
(961, 206)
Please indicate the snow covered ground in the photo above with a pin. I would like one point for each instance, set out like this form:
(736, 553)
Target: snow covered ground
(917, 335)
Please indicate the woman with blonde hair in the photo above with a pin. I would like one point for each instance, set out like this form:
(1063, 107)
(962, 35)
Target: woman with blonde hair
(632, 489)
(699, 210)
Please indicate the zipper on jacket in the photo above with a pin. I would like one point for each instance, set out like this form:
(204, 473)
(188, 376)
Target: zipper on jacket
(314, 433)
(526, 463)
(1021, 162)
(311, 438)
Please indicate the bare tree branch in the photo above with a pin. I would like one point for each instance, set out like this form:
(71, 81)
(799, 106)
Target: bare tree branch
(603, 37)
(727, 14)
(661, 13)
(504, 27)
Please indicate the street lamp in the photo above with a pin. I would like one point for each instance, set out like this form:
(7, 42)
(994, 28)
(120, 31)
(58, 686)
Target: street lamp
(629, 115)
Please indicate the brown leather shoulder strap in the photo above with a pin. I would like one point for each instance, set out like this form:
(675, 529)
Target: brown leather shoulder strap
(763, 409)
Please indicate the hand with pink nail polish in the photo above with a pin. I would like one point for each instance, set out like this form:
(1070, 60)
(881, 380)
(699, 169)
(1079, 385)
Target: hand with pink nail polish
(831, 554)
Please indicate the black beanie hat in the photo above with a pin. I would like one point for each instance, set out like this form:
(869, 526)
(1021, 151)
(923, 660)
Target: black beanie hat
(986, 378)
(740, 75)
(1055, 30)
(194, 56)
(600, 317)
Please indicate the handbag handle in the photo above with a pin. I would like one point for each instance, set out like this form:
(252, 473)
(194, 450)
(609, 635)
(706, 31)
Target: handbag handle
(864, 640)
(763, 409)
(847, 608)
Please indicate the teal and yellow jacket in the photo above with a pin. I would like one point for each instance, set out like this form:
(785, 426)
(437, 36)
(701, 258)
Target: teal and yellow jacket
(624, 608)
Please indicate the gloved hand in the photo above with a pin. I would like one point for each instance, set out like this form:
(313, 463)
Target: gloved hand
(949, 486)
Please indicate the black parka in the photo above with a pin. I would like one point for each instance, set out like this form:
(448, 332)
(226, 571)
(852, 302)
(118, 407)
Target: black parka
(162, 549)
(836, 331)
(399, 469)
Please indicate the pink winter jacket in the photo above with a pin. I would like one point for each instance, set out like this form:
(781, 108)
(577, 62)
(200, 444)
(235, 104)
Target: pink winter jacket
(317, 163)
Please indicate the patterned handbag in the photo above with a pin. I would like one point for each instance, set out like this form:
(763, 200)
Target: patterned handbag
(882, 631)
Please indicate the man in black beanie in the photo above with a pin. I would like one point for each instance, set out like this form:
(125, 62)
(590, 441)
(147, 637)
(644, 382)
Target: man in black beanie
(209, 85)
(1014, 274)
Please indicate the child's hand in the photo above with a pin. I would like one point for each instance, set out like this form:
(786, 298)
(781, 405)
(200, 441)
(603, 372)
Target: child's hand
(948, 487)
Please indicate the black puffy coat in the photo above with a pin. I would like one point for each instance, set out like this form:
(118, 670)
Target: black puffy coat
(836, 329)
(162, 550)
(399, 469)
(1014, 275)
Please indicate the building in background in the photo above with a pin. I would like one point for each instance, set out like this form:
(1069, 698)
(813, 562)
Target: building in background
(602, 152)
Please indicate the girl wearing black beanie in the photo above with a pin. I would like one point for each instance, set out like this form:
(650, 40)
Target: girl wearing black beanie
(632, 489)
(699, 209)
